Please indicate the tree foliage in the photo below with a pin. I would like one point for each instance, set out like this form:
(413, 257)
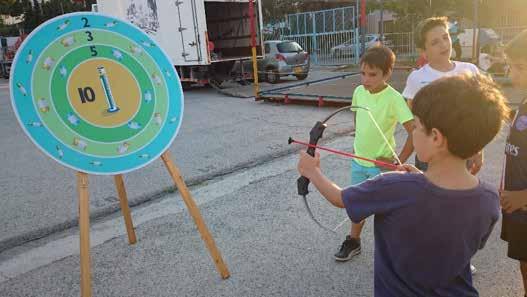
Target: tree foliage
(409, 12)
(35, 13)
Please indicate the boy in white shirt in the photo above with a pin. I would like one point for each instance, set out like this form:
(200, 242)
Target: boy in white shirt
(433, 39)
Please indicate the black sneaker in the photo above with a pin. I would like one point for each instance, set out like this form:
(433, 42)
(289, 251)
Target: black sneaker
(350, 247)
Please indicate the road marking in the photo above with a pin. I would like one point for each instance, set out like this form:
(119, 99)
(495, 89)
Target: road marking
(31, 258)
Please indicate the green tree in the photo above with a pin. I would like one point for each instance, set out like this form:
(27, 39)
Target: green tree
(409, 12)
(35, 13)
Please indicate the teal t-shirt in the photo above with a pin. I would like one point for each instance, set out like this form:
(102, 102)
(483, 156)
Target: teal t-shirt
(388, 108)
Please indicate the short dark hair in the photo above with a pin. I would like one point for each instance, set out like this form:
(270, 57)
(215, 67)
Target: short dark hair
(468, 110)
(426, 25)
(381, 57)
(516, 48)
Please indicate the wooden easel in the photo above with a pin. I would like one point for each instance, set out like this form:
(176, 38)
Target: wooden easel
(84, 221)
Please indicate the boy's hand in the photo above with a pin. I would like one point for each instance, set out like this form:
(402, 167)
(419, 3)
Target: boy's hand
(307, 165)
(476, 163)
(511, 201)
(408, 168)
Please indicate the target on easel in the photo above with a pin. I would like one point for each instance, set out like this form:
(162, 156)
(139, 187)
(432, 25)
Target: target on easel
(98, 95)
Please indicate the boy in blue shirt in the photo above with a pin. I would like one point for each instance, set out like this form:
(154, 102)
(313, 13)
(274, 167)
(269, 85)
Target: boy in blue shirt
(514, 195)
(417, 253)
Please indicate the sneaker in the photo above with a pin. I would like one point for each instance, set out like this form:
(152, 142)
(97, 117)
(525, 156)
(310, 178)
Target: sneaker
(473, 269)
(350, 247)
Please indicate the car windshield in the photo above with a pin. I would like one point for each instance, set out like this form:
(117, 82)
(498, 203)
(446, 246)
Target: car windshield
(289, 47)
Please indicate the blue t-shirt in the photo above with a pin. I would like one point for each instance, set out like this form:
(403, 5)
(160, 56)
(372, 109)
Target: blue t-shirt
(425, 235)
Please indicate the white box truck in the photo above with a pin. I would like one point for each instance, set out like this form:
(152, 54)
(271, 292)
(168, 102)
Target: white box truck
(204, 38)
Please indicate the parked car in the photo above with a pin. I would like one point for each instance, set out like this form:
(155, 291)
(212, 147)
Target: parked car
(348, 48)
(487, 36)
(283, 58)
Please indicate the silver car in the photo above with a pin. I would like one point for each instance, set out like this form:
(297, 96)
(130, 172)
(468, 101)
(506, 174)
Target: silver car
(347, 49)
(283, 58)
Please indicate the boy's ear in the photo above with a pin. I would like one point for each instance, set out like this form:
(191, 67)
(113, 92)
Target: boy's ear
(388, 75)
(438, 138)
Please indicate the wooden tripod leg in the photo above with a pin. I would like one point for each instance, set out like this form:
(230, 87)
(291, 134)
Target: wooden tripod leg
(194, 212)
(84, 229)
(125, 209)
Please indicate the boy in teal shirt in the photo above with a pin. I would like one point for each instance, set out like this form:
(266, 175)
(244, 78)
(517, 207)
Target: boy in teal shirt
(387, 107)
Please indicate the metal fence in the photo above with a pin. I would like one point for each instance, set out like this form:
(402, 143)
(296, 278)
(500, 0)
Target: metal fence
(402, 44)
(506, 34)
(330, 36)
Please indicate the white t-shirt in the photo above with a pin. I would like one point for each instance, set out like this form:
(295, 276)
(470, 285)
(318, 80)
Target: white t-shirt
(426, 74)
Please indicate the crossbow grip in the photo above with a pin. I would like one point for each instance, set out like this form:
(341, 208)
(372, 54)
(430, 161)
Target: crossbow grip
(302, 182)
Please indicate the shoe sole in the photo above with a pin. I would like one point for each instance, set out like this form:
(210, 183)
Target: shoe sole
(351, 255)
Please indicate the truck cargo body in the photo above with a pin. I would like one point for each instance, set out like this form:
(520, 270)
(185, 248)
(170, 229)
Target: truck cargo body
(203, 38)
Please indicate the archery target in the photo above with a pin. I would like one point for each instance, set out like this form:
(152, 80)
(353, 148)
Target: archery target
(96, 93)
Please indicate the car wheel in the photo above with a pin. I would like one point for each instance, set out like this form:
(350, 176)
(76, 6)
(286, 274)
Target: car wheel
(301, 76)
(272, 76)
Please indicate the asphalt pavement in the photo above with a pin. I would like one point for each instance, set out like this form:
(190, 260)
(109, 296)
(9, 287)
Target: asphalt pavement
(234, 154)
(259, 224)
(219, 134)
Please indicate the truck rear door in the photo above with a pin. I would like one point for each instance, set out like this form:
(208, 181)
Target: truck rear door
(188, 29)
(178, 25)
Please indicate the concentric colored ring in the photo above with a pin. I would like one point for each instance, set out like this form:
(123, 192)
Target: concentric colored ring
(64, 96)
(96, 93)
(79, 40)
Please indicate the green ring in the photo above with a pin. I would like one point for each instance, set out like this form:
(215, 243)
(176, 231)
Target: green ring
(66, 136)
(61, 101)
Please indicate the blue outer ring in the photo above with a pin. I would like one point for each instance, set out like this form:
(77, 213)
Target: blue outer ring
(25, 109)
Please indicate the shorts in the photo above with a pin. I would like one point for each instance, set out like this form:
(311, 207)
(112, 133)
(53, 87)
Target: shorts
(515, 233)
(360, 173)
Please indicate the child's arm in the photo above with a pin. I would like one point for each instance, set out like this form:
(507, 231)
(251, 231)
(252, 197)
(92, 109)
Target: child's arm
(408, 145)
(309, 167)
(511, 201)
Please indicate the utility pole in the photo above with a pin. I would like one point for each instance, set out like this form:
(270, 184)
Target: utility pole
(363, 25)
(382, 22)
(253, 26)
(475, 35)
